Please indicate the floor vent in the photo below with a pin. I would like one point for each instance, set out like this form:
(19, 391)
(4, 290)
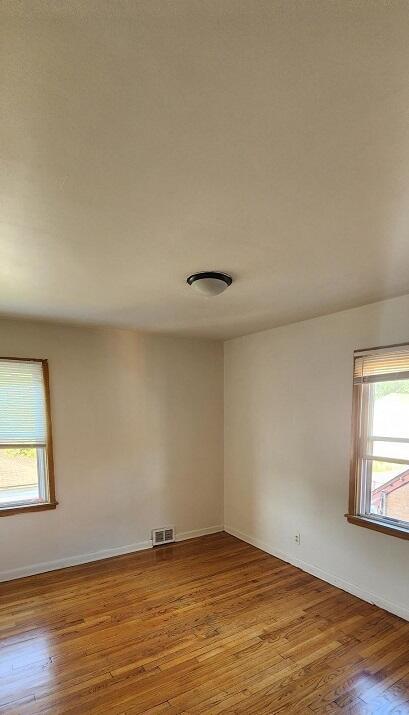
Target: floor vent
(163, 536)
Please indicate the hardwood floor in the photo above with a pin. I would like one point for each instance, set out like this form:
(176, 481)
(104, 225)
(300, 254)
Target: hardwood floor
(211, 625)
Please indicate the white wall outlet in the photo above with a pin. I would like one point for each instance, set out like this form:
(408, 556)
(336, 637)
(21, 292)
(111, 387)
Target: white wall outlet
(297, 538)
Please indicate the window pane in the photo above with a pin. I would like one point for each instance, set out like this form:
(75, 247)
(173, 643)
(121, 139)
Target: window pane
(392, 450)
(389, 494)
(20, 480)
(22, 403)
(391, 409)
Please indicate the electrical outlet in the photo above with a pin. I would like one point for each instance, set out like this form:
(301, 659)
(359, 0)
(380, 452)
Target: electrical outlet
(297, 538)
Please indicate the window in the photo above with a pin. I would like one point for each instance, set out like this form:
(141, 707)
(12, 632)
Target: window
(26, 460)
(379, 482)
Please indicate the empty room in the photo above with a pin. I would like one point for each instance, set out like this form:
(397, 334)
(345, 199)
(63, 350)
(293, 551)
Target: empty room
(204, 357)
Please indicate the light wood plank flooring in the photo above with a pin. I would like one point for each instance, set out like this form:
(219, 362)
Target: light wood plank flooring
(211, 625)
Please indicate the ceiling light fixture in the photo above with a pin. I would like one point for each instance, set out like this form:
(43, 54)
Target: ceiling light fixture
(210, 283)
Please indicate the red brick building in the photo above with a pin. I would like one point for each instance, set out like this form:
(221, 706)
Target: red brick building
(392, 498)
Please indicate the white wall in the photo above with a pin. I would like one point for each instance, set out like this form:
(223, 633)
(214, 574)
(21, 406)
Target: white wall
(288, 395)
(138, 441)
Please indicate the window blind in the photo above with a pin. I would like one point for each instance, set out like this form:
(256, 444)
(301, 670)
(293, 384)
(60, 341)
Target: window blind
(22, 403)
(385, 364)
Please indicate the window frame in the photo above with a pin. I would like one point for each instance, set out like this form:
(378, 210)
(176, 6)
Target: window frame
(385, 525)
(51, 502)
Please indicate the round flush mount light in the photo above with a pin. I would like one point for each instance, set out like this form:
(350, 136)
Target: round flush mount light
(210, 283)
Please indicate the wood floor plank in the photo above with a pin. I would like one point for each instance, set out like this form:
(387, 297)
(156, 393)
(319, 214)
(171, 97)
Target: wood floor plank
(210, 625)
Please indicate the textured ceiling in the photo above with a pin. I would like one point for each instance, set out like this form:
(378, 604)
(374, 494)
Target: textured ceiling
(143, 141)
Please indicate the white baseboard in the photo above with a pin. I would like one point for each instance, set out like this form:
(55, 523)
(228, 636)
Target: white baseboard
(398, 609)
(198, 532)
(45, 566)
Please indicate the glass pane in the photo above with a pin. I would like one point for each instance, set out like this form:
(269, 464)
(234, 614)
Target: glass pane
(19, 475)
(393, 450)
(391, 409)
(389, 490)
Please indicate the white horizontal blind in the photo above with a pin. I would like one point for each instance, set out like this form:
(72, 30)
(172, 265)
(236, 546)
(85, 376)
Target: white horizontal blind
(22, 403)
(385, 364)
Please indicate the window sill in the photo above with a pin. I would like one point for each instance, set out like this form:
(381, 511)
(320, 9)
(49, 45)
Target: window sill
(375, 525)
(24, 508)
